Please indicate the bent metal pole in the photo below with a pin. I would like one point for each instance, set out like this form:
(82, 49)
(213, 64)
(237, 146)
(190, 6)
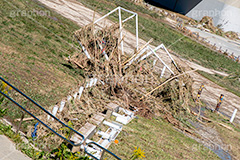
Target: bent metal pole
(219, 103)
(199, 93)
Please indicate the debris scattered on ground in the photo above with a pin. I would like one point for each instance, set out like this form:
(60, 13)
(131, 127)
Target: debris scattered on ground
(128, 85)
(232, 35)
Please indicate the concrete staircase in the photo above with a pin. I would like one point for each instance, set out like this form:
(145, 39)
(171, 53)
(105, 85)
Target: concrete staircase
(96, 125)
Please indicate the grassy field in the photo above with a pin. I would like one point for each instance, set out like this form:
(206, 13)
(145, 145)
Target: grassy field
(32, 58)
(159, 140)
(229, 137)
(152, 26)
(231, 82)
(31, 54)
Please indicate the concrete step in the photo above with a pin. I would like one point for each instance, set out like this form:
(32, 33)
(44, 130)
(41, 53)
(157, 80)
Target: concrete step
(111, 107)
(88, 130)
(97, 119)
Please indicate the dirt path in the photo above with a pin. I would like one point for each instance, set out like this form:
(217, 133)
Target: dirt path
(82, 15)
(212, 91)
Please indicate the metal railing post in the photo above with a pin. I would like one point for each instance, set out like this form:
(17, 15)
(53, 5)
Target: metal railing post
(43, 109)
(20, 123)
(219, 103)
(199, 93)
(120, 28)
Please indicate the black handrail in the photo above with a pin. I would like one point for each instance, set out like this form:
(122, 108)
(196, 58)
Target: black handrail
(85, 149)
(83, 139)
(44, 111)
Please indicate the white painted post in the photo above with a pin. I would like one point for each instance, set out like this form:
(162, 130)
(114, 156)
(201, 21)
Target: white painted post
(86, 52)
(80, 92)
(140, 54)
(233, 115)
(154, 62)
(106, 56)
(103, 51)
(137, 31)
(54, 111)
(125, 20)
(127, 10)
(69, 98)
(84, 49)
(62, 104)
(87, 85)
(120, 23)
(169, 55)
(75, 95)
(120, 28)
(91, 82)
(95, 81)
(102, 82)
(163, 71)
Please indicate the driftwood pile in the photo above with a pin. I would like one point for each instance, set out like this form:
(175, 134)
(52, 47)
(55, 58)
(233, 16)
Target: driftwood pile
(131, 85)
(135, 86)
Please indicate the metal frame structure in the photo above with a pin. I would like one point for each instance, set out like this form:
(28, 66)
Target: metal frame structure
(153, 51)
(119, 9)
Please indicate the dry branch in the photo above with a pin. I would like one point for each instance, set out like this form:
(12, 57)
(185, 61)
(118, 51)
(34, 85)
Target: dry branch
(167, 82)
(142, 47)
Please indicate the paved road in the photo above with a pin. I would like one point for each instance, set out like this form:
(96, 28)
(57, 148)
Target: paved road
(224, 43)
(8, 150)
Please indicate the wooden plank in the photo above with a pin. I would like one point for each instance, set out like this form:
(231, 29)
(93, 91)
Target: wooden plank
(24, 119)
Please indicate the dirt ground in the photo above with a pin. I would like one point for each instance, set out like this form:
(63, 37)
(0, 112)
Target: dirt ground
(82, 15)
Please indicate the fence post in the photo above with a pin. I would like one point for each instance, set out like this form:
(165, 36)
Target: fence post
(199, 92)
(20, 123)
(233, 115)
(219, 103)
(103, 152)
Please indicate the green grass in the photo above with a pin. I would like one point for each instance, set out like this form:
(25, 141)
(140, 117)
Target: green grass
(32, 57)
(152, 26)
(159, 140)
(229, 138)
(31, 152)
(231, 83)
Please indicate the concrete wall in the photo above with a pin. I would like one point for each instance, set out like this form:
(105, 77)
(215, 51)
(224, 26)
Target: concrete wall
(180, 6)
(223, 12)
